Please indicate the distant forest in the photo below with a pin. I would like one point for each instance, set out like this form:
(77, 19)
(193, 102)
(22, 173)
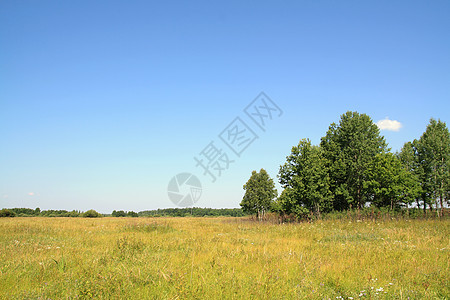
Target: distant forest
(167, 212)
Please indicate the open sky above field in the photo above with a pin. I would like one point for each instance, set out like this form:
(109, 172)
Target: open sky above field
(102, 103)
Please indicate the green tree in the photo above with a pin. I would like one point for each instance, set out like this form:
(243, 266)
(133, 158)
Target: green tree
(434, 155)
(305, 180)
(409, 157)
(350, 148)
(132, 214)
(259, 194)
(392, 185)
(91, 214)
(5, 213)
(119, 213)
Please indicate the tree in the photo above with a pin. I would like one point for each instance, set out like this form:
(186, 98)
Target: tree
(91, 214)
(305, 180)
(434, 154)
(132, 214)
(392, 185)
(350, 148)
(5, 213)
(119, 213)
(259, 194)
(409, 157)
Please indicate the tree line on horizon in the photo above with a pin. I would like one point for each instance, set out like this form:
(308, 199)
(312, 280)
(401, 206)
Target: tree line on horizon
(37, 212)
(353, 168)
(165, 212)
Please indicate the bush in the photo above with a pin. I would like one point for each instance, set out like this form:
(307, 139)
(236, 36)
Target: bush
(91, 214)
(4, 213)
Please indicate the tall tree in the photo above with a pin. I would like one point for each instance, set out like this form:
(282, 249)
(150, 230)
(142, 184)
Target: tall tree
(350, 147)
(434, 152)
(392, 185)
(305, 180)
(259, 194)
(409, 157)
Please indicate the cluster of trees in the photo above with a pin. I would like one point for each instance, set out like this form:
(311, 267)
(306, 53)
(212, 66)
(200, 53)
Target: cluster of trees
(28, 212)
(121, 213)
(24, 212)
(353, 168)
(167, 212)
(60, 213)
(6, 213)
(193, 212)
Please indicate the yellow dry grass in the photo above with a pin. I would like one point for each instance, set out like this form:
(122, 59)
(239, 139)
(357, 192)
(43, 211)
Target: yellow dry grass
(217, 258)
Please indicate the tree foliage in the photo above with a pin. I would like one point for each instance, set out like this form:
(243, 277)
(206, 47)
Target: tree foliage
(305, 180)
(353, 168)
(118, 213)
(91, 214)
(409, 157)
(434, 156)
(391, 184)
(259, 194)
(350, 148)
(166, 212)
(6, 213)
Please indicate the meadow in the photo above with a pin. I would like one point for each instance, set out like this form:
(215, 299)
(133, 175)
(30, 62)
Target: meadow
(223, 258)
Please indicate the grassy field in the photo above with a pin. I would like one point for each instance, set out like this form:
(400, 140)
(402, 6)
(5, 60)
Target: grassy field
(214, 258)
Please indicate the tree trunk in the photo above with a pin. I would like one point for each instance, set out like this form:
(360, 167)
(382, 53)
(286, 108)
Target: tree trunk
(424, 206)
(441, 200)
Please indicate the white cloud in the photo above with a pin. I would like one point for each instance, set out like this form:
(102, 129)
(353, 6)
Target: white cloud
(391, 125)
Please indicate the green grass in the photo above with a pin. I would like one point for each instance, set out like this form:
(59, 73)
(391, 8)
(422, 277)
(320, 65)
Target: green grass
(214, 258)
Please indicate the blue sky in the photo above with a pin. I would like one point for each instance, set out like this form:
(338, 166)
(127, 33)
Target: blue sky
(101, 104)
